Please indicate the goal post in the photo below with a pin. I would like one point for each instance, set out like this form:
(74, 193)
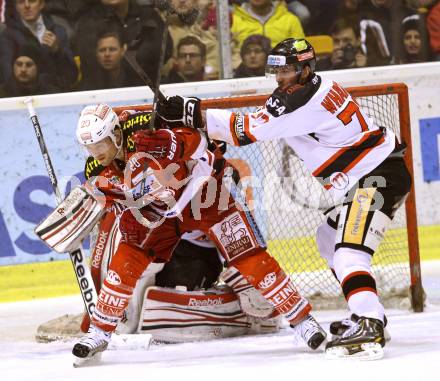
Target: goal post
(289, 204)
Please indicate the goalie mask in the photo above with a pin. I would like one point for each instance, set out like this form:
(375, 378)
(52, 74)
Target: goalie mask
(291, 54)
(96, 123)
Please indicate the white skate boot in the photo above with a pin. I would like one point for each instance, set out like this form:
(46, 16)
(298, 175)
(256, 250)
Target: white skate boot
(90, 346)
(310, 331)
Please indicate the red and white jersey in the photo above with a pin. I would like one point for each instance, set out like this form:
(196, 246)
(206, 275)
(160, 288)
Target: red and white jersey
(168, 190)
(321, 122)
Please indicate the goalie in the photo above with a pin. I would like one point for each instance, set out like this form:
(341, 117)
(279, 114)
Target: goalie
(160, 205)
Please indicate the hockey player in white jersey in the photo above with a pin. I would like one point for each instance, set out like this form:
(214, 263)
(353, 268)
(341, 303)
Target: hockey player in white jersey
(358, 162)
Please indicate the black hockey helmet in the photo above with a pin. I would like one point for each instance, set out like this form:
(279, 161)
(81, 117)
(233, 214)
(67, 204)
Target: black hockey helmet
(291, 53)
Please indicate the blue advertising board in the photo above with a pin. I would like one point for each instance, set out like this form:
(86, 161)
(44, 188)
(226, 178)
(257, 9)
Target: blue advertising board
(430, 147)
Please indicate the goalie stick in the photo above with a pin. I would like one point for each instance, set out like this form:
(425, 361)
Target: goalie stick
(80, 267)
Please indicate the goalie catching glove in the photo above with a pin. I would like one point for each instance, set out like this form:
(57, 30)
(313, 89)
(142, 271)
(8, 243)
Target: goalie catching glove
(177, 110)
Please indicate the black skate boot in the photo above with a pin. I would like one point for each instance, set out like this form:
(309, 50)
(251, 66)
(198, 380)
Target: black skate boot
(90, 346)
(310, 331)
(337, 328)
(364, 340)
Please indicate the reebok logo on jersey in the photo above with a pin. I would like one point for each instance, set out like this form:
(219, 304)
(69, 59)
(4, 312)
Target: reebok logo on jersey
(99, 247)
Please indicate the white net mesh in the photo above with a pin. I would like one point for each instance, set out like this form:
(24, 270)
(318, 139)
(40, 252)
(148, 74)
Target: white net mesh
(288, 204)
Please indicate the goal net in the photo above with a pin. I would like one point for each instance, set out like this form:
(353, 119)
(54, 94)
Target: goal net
(288, 204)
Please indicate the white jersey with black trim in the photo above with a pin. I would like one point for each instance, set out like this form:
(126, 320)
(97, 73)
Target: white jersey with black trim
(321, 122)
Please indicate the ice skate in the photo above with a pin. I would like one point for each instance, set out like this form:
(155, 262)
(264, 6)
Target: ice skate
(337, 328)
(89, 348)
(363, 340)
(310, 331)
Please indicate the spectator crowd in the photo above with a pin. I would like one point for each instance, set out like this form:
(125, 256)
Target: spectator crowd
(51, 46)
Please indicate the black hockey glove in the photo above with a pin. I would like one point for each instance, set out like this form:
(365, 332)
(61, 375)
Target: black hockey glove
(178, 110)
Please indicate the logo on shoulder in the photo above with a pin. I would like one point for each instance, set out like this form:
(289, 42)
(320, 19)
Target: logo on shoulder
(274, 106)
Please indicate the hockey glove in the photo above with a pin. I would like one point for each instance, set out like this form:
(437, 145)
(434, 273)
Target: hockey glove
(163, 145)
(178, 110)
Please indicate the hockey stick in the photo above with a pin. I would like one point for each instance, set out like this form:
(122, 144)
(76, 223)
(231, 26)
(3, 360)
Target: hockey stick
(131, 60)
(130, 57)
(80, 267)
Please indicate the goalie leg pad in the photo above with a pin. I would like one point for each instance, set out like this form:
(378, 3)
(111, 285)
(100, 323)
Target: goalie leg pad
(71, 221)
(265, 274)
(251, 301)
(174, 316)
(125, 269)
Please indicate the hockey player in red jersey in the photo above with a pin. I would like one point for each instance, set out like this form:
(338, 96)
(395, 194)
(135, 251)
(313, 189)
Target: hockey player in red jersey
(359, 163)
(192, 192)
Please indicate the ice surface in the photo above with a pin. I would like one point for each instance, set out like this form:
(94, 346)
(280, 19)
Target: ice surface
(413, 353)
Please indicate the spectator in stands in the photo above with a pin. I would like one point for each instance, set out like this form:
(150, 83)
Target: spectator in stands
(191, 59)
(299, 9)
(433, 25)
(26, 78)
(254, 52)
(266, 17)
(142, 31)
(347, 52)
(377, 32)
(323, 14)
(2, 15)
(411, 39)
(30, 26)
(113, 71)
(185, 22)
(349, 8)
(69, 10)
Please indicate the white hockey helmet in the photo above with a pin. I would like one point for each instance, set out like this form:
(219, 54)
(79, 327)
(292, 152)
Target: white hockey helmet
(95, 123)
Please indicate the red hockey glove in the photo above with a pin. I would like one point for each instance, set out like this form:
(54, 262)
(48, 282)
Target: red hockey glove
(164, 145)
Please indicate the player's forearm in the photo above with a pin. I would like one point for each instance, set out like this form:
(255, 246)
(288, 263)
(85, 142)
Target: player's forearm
(217, 124)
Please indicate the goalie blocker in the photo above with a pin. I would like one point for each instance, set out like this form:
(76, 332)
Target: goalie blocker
(71, 221)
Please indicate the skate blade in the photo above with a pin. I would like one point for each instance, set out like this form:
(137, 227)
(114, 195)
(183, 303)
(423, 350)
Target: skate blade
(369, 351)
(79, 362)
(130, 342)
